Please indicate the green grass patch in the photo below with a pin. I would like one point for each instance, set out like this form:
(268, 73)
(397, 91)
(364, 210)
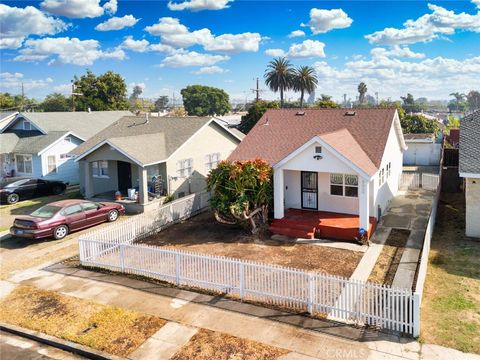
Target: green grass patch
(453, 302)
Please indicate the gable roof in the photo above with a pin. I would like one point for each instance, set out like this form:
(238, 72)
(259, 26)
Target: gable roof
(147, 141)
(361, 138)
(469, 146)
(84, 124)
(5, 117)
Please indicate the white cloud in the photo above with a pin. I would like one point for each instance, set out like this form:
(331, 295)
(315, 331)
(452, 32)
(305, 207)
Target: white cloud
(73, 8)
(396, 51)
(117, 23)
(476, 2)
(65, 89)
(12, 83)
(307, 49)
(275, 52)
(199, 5)
(296, 33)
(143, 45)
(322, 21)
(173, 33)
(111, 6)
(66, 51)
(210, 70)
(427, 27)
(19, 23)
(184, 58)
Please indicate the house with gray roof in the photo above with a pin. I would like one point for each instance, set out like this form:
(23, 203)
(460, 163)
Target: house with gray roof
(39, 144)
(469, 169)
(146, 158)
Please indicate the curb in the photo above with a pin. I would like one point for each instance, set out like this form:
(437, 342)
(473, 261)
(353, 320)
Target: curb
(58, 343)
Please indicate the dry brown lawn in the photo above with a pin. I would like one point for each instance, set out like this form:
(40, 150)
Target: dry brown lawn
(205, 235)
(106, 328)
(207, 345)
(389, 259)
(451, 299)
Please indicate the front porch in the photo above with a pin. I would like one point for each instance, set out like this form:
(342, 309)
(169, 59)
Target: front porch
(308, 224)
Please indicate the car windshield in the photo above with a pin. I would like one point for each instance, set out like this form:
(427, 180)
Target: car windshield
(13, 182)
(46, 211)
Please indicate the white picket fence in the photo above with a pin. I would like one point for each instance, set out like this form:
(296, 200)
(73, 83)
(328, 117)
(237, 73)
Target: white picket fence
(414, 180)
(337, 298)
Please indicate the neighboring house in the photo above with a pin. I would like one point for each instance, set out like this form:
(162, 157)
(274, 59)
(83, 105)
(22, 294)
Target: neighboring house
(158, 154)
(422, 150)
(453, 137)
(469, 169)
(39, 144)
(6, 117)
(345, 161)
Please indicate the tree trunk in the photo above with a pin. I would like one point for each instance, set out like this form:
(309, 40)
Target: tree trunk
(281, 97)
(301, 97)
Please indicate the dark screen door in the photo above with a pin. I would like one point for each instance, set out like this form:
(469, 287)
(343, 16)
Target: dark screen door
(309, 190)
(124, 176)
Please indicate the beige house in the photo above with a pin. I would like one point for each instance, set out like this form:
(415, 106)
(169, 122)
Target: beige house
(147, 158)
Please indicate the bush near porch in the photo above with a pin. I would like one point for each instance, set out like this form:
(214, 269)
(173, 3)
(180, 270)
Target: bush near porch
(203, 234)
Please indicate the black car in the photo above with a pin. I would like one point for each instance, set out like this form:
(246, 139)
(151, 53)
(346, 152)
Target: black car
(15, 189)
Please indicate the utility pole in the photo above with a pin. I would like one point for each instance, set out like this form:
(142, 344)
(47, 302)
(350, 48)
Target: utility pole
(74, 94)
(376, 94)
(22, 102)
(344, 100)
(257, 91)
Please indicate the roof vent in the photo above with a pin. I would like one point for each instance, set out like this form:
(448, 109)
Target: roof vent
(266, 121)
(350, 113)
(300, 113)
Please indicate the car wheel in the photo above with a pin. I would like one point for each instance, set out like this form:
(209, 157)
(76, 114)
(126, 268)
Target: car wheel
(112, 215)
(60, 232)
(57, 190)
(13, 198)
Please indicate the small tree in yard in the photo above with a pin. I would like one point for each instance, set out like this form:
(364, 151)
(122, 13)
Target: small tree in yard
(241, 192)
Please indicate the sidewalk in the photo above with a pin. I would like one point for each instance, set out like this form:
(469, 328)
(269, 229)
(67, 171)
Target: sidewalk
(304, 336)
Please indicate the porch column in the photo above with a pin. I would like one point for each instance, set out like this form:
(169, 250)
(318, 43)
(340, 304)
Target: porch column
(364, 203)
(142, 186)
(87, 178)
(278, 193)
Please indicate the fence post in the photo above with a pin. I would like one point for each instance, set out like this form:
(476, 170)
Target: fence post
(177, 269)
(81, 250)
(242, 279)
(122, 257)
(310, 293)
(416, 314)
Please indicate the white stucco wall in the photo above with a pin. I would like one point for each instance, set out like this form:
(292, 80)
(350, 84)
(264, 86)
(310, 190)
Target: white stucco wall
(472, 215)
(208, 140)
(422, 154)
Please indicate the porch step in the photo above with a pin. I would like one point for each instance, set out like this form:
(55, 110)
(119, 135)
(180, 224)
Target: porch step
(293, 224)
(291, 232)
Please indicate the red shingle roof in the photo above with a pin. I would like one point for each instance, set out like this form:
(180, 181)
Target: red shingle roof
(367, 130)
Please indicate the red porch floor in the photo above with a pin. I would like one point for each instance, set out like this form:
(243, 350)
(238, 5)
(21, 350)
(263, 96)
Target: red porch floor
(319, 224)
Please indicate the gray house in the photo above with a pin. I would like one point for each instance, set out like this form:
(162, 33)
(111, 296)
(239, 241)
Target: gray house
(469, 169)
(161, 155)
(39, 144)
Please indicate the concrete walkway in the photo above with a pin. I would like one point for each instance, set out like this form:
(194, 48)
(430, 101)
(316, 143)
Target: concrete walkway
(187, 311)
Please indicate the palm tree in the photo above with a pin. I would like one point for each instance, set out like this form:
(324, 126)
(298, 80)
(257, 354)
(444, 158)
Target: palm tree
(278, 76)
(304, 79)
(459, 98)
(362, 90)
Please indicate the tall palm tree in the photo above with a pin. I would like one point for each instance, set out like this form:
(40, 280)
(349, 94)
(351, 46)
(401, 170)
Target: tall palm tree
(362, 91)
(459, 98)
(278, 76)
(304, 79)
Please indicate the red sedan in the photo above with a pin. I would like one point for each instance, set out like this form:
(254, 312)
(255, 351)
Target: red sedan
(59, 218)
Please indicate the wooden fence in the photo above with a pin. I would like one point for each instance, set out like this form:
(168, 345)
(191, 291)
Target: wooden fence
(414, 180)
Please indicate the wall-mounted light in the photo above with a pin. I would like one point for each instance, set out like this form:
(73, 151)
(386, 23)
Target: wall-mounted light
(317, 157)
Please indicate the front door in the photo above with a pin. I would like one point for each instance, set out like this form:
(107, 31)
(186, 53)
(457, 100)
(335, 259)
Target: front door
(124, 176)
(309, 190)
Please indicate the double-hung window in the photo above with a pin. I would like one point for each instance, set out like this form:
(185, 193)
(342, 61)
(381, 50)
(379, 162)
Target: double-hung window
(344, 185)
(100, 168)
(24, 164)
(211, 161)
(184, 168)
(51, 164)
(27, 125)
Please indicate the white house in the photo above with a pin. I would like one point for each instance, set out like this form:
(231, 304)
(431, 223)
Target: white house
(39, 144)
(333, 161)
(469, 169)
(156, 155)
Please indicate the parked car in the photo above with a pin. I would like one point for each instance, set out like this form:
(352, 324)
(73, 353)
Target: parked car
(12, 190)
(59, 218)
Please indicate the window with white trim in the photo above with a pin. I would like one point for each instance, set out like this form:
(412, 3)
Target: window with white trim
(383, 175)
(27, 125)
(344, 185)
(24, 164)
(318, 149)
(211, 161)
(51, 164)
(100, 168)
(389, 170)
(184, 167)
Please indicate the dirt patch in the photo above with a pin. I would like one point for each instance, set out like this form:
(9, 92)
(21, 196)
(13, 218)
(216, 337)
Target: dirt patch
(106, 328)
(206, 345)
(205, 235)
(389, 259)
(451, 297)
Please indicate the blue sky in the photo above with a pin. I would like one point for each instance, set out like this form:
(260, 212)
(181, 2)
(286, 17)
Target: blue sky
(427, 48)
